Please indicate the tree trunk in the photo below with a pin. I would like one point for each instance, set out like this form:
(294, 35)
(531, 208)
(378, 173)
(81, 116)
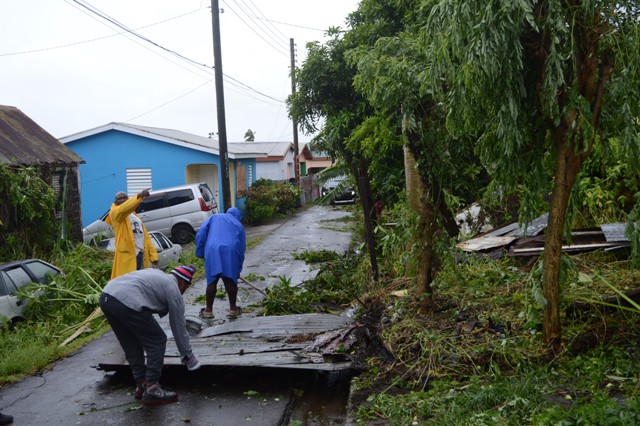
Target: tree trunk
(367, 209)
(594, 70)
(566, 172)
(419, 200)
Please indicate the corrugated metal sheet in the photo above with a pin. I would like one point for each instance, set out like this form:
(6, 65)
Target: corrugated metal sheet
(535, 227)
(614, 231)
(485, 242)
(23, 142)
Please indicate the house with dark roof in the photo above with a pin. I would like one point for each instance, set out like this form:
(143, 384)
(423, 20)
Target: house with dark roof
(24, 143)
(313, 160)
(130, 158)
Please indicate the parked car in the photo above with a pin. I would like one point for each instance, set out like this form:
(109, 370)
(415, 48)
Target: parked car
(167, 251)
(14, 275)
(97, 230)
(178, 212)
(347, 194)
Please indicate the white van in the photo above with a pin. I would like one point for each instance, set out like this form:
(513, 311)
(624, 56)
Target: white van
(178, 212)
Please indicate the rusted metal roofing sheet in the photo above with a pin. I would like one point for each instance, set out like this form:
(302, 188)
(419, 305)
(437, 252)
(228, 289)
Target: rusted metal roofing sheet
(305, 341)
(23, 142)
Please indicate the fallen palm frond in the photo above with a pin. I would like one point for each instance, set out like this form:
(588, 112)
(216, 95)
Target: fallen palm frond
(81, 327)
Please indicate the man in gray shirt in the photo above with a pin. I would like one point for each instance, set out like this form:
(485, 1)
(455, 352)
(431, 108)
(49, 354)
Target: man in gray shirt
(128, 303)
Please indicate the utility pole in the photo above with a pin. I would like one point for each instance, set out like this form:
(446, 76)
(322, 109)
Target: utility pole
(296, 150)
(222, 124)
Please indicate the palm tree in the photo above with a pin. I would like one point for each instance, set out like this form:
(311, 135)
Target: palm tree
(249, 135)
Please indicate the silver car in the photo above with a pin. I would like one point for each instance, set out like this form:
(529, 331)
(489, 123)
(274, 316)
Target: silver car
(177, 212)
(14, 275)
(167, 251)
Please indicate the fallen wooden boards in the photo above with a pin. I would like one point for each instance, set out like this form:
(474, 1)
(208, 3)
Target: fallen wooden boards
(286, 341)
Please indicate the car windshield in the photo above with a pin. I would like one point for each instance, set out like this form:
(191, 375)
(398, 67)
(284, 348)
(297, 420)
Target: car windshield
(334, 182)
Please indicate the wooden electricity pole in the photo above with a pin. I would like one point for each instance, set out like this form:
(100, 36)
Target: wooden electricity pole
(296, 150)
(222, 124)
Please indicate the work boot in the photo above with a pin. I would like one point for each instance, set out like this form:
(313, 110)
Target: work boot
(155, 395)
(5, 419)
(140, 386)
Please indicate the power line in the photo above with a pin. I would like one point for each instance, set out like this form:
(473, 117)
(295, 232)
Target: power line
(168, 102)
(294, 25)
(253, 29)
(95, 39)
(272, 26)
(129, 31)
(278, 38)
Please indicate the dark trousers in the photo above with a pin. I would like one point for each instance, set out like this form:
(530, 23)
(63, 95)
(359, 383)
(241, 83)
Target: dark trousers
(137, 332)
(140, 260)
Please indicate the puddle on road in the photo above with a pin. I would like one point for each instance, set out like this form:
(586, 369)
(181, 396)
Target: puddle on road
(324, 401)
(316, 398)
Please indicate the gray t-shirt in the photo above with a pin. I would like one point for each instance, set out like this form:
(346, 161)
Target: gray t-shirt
(158, 292)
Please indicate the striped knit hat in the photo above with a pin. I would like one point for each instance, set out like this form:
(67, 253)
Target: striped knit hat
(185, 272)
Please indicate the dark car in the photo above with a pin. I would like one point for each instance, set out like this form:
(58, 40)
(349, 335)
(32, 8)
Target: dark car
(14, 275)
(346, 195)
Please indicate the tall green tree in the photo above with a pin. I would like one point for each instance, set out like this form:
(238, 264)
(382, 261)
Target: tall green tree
(325, 94)
(542, 82)
(440, 169)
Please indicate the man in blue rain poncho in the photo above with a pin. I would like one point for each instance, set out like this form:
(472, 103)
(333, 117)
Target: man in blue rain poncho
(221, 242)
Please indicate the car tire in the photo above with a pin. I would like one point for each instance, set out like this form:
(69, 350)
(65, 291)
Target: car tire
(182, 234)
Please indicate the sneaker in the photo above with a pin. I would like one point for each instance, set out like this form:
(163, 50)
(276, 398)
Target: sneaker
(193, 363)
(140, 386)
(155, 395)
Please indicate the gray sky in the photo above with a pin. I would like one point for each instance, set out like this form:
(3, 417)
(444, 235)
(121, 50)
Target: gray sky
(70, 70)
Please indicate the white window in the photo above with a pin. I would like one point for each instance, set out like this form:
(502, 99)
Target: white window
(138, 180)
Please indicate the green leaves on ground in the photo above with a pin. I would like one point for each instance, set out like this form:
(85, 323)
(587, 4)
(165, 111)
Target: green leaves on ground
(332, 288)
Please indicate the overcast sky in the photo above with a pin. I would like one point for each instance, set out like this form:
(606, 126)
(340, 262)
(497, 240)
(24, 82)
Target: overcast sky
(71, 70)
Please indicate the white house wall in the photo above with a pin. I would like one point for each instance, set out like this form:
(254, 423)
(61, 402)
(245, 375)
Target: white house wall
(276, 170)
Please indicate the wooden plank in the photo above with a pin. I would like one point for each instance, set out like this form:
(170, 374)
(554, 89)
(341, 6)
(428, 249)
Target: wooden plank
(269, 342)
(284, 325)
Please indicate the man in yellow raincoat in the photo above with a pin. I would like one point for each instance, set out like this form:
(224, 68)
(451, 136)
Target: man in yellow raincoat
(134, 249)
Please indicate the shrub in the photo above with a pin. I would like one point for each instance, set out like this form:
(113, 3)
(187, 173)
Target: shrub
(267, 199)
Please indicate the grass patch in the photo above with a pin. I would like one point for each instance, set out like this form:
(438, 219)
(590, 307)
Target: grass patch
(479, 358)
(56, 310)
(316, 256)
(252, 242)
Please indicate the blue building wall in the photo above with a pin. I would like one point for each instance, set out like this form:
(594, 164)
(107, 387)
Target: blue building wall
(108, 155)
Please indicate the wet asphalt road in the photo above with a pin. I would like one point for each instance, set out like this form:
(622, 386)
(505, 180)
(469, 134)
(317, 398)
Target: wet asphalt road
(74, 392)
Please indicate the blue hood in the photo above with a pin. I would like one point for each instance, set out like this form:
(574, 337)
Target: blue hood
(235, 212)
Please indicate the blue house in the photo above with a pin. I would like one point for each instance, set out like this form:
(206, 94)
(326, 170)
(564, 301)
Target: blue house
(130, 158)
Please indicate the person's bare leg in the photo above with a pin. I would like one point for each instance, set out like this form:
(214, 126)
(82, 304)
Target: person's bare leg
(232, 293)
(212, 289)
